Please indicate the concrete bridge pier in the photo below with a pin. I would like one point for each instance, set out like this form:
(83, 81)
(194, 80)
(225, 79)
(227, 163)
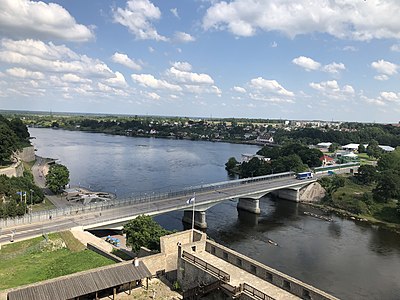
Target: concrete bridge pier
(249, 204)
(199, 218)
(288, 194)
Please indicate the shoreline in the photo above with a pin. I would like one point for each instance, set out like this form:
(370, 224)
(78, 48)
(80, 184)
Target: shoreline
(394, 227)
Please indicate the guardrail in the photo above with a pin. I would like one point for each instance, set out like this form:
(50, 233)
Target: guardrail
(137, 200)
(255, 292)
(206, 266)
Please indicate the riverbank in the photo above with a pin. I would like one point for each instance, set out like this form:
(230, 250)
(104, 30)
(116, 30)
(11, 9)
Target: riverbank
(356, 217)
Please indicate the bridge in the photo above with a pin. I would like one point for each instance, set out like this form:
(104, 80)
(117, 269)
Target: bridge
(115, 213)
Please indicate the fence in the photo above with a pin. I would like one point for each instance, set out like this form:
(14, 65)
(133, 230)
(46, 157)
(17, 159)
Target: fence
(252, 291)
(206, 266)
(41, 216)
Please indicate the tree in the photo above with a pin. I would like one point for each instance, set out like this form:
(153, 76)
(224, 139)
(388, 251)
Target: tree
(231, 165)
(333, 147)
(331, 184)
(57, 178)
(144, 232)
(8, 142)
(373, 149)
(361, 148)
(366, 174)
(388, 186)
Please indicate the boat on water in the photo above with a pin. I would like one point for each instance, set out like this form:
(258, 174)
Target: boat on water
(272, 242)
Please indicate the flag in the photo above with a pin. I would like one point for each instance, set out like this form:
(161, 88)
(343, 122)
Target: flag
(191, 200)
(24, 194)
(19, 193)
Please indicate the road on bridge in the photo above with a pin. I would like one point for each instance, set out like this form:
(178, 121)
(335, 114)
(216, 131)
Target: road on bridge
(120, 213)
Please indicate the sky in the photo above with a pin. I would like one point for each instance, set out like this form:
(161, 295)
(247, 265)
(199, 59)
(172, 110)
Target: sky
(282, 59)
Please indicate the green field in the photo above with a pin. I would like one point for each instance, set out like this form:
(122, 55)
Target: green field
(37, 259)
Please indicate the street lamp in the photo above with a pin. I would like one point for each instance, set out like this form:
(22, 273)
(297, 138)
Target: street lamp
(31, 199)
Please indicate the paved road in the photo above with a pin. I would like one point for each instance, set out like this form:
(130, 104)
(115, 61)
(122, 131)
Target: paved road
(121, 212)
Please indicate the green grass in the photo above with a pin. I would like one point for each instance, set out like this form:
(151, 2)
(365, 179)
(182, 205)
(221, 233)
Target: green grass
(351, 198)
(46, 205)
(365, 156)
(31, 261)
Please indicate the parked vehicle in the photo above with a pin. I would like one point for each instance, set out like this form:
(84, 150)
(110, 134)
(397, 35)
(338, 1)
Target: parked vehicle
(113, 241)
(304, 175)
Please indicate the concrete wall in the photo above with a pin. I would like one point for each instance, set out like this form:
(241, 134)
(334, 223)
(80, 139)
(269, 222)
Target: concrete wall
(15, 170)
(106, 254)
(277, 278)
(287, 194)
(312, 193)
(190, 276)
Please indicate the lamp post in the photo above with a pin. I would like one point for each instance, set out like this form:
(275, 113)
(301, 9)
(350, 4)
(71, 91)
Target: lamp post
(31, 200)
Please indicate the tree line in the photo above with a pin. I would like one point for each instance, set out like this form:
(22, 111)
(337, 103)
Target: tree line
(290, 157)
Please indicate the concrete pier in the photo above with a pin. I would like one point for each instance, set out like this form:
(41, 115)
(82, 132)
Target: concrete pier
(288, 194)
(199, 218)
(249, 204)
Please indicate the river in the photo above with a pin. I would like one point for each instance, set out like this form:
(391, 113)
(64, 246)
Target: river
(347, 259)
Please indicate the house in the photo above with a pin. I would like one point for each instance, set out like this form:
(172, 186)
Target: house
(247, 157)
(326, 160)
(351, 147)
(265, 138)
(324, 145)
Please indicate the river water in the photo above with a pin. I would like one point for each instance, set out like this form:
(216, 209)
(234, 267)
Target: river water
(347, 259)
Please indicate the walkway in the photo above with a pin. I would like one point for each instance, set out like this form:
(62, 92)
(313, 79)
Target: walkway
(239, 276)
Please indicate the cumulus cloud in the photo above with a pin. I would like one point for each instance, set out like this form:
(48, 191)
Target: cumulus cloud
(190, 78)
(343, 19)
(385, 67)
(183, 37)
(182, 66)
(124, 60)
(239, 89)
(37, 55)
(381, 77)
(24, 73)
(331, 89)
(272, 86)
(334, 68)
(33, 19)
(137, 17)
(69, 74)
(148, 80)
(384, 98)
(307, 63)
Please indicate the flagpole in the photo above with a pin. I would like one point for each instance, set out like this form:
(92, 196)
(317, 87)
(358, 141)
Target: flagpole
(194, 202)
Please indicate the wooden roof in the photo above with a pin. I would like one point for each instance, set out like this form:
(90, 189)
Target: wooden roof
(83, 283)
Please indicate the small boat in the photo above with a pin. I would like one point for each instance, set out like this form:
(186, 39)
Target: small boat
(272, 242)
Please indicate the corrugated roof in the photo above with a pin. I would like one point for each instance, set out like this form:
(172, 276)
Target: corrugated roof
(75, 285)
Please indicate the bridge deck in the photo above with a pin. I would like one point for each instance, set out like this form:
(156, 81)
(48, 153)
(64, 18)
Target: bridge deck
(238, 276)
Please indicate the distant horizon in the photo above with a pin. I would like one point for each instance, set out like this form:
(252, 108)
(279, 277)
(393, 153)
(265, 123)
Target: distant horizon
(48, 113)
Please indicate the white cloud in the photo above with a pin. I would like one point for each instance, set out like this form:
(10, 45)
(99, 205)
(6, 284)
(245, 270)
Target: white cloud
(24, 73)
(384, 99)
(307, 63)
(73, 78)
(239, 89)
(124, 60)
(137, 17)
(33, 19)
(274, 44)
(189, 77)
(148, 80)
(350, 48)
(390, 96)
(344, 19)
(39, 56)
(381, 77)
(153, 96)
(331, 89)
(269, 90)
(385, 67)
(395, 48)
(151, 49)
(334, 68)
(182, 66)
(183, 37)
(118, 80)
(174, 11)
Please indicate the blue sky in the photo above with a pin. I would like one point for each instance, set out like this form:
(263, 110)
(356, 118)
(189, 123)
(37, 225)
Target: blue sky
(318, 59)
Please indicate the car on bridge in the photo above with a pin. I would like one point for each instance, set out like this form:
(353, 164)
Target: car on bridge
(304, 175)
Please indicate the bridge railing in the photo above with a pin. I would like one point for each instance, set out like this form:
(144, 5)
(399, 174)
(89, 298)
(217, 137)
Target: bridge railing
(248, 289)
(40, 216)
